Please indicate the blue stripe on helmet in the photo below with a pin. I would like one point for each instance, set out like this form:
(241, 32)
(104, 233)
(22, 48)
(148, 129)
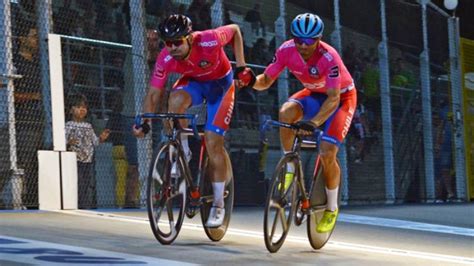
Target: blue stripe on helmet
(310, 25)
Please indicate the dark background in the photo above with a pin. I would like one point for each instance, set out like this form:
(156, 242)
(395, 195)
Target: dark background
(404, 25)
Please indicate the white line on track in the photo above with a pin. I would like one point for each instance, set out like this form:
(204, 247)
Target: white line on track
(294, 239)
(401, 224)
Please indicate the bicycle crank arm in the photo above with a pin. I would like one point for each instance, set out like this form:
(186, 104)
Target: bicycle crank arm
(210, 198)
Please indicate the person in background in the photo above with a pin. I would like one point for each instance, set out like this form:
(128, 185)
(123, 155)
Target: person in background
(444, 153)
(81, 138)
(124, 156)
(153, 46)
(255, 19)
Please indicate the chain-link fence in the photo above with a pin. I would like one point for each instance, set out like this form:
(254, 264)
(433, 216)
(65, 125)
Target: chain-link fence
(401, 146)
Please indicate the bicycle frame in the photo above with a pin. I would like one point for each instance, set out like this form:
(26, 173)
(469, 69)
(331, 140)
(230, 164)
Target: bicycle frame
(298, 143)
(174, 137)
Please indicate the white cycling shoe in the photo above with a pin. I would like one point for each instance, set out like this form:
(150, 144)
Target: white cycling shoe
(216, 217)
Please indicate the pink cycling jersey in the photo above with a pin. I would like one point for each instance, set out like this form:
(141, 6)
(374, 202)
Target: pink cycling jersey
(323, 70)
(206, 62)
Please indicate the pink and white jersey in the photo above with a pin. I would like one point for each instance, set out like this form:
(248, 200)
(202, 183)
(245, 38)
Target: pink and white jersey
(323, 70)
(206, 62)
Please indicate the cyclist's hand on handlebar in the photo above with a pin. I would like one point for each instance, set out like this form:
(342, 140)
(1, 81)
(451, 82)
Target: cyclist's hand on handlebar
(244, 77)
(142, 130)
(306, 126)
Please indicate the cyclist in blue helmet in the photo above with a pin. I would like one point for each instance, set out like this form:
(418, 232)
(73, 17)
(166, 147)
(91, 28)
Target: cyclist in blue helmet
(307, 25)
(328, 100)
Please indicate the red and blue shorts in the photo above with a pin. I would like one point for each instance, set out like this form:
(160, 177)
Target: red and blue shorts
(219, 95)
(338, 124)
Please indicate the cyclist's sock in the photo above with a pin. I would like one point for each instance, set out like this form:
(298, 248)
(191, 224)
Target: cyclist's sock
(290, 166)
(218, 188)
(332, 198)
(185, 145)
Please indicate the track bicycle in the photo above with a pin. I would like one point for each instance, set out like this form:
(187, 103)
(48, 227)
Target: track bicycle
(295, 203)
(171, 196)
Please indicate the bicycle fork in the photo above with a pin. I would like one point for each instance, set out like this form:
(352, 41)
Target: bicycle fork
(195, 193)
(304, 199)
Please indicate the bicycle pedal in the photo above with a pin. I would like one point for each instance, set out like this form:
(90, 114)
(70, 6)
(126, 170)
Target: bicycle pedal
(195, 202)
(191, 211)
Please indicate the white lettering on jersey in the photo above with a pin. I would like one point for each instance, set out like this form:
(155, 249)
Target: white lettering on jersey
(286, 45)
(228, 116)
(313, 86)
(328, 56)
(168, 58)
(347, 123)
(208, 44)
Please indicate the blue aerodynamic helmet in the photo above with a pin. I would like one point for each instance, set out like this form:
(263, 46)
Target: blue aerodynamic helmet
(307, 25)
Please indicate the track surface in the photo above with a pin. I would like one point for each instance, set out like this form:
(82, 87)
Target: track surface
(388, 235)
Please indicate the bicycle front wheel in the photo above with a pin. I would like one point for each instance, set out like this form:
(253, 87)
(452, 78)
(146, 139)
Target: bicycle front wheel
(280, 206)
(166, 194)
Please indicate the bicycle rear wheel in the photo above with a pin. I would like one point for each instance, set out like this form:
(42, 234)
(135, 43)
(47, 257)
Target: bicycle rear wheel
(166, 195)
(215, 234)
(280, 206)
(318, 203)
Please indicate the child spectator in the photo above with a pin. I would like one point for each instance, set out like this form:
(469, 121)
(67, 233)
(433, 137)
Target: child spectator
(81, 138)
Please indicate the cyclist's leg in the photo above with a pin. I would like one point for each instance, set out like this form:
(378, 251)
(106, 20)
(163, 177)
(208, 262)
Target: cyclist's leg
(220, 105)
(336, 129)
(185, 94)
(301, 105)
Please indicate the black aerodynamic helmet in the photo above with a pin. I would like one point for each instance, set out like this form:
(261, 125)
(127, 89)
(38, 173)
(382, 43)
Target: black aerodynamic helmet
(175, 26)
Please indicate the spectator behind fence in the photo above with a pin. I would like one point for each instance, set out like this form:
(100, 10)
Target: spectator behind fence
(401, 75)
(153, 47)
(124, 154)
(359, 130)
(158, 8)
(260, 54)
(199, 11)
(28, 108)
(254, 18)
(81, 138)
(444, 154)
(66, 19)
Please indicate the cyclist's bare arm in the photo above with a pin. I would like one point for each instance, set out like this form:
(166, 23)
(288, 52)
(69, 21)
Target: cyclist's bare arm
(153, 100)
(151, 104)
(329, 106)
(238, 45)
(263, 82)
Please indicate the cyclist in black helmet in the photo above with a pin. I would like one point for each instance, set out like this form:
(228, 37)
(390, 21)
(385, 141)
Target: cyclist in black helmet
(206, 73)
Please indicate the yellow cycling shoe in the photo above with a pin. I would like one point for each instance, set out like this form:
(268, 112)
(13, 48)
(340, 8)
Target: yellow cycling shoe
(328, 221)
(288, 179)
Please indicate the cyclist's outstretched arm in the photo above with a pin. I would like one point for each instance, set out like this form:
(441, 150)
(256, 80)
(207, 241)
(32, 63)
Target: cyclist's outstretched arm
(238, 45)
(152, 101)
(263, 82)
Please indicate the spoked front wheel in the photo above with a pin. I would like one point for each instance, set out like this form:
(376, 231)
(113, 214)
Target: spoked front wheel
(166, 195)
(280, 207)
(215, 234)
(318, 205)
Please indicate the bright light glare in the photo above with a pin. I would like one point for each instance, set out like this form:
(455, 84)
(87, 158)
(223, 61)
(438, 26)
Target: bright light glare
(451, 4)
